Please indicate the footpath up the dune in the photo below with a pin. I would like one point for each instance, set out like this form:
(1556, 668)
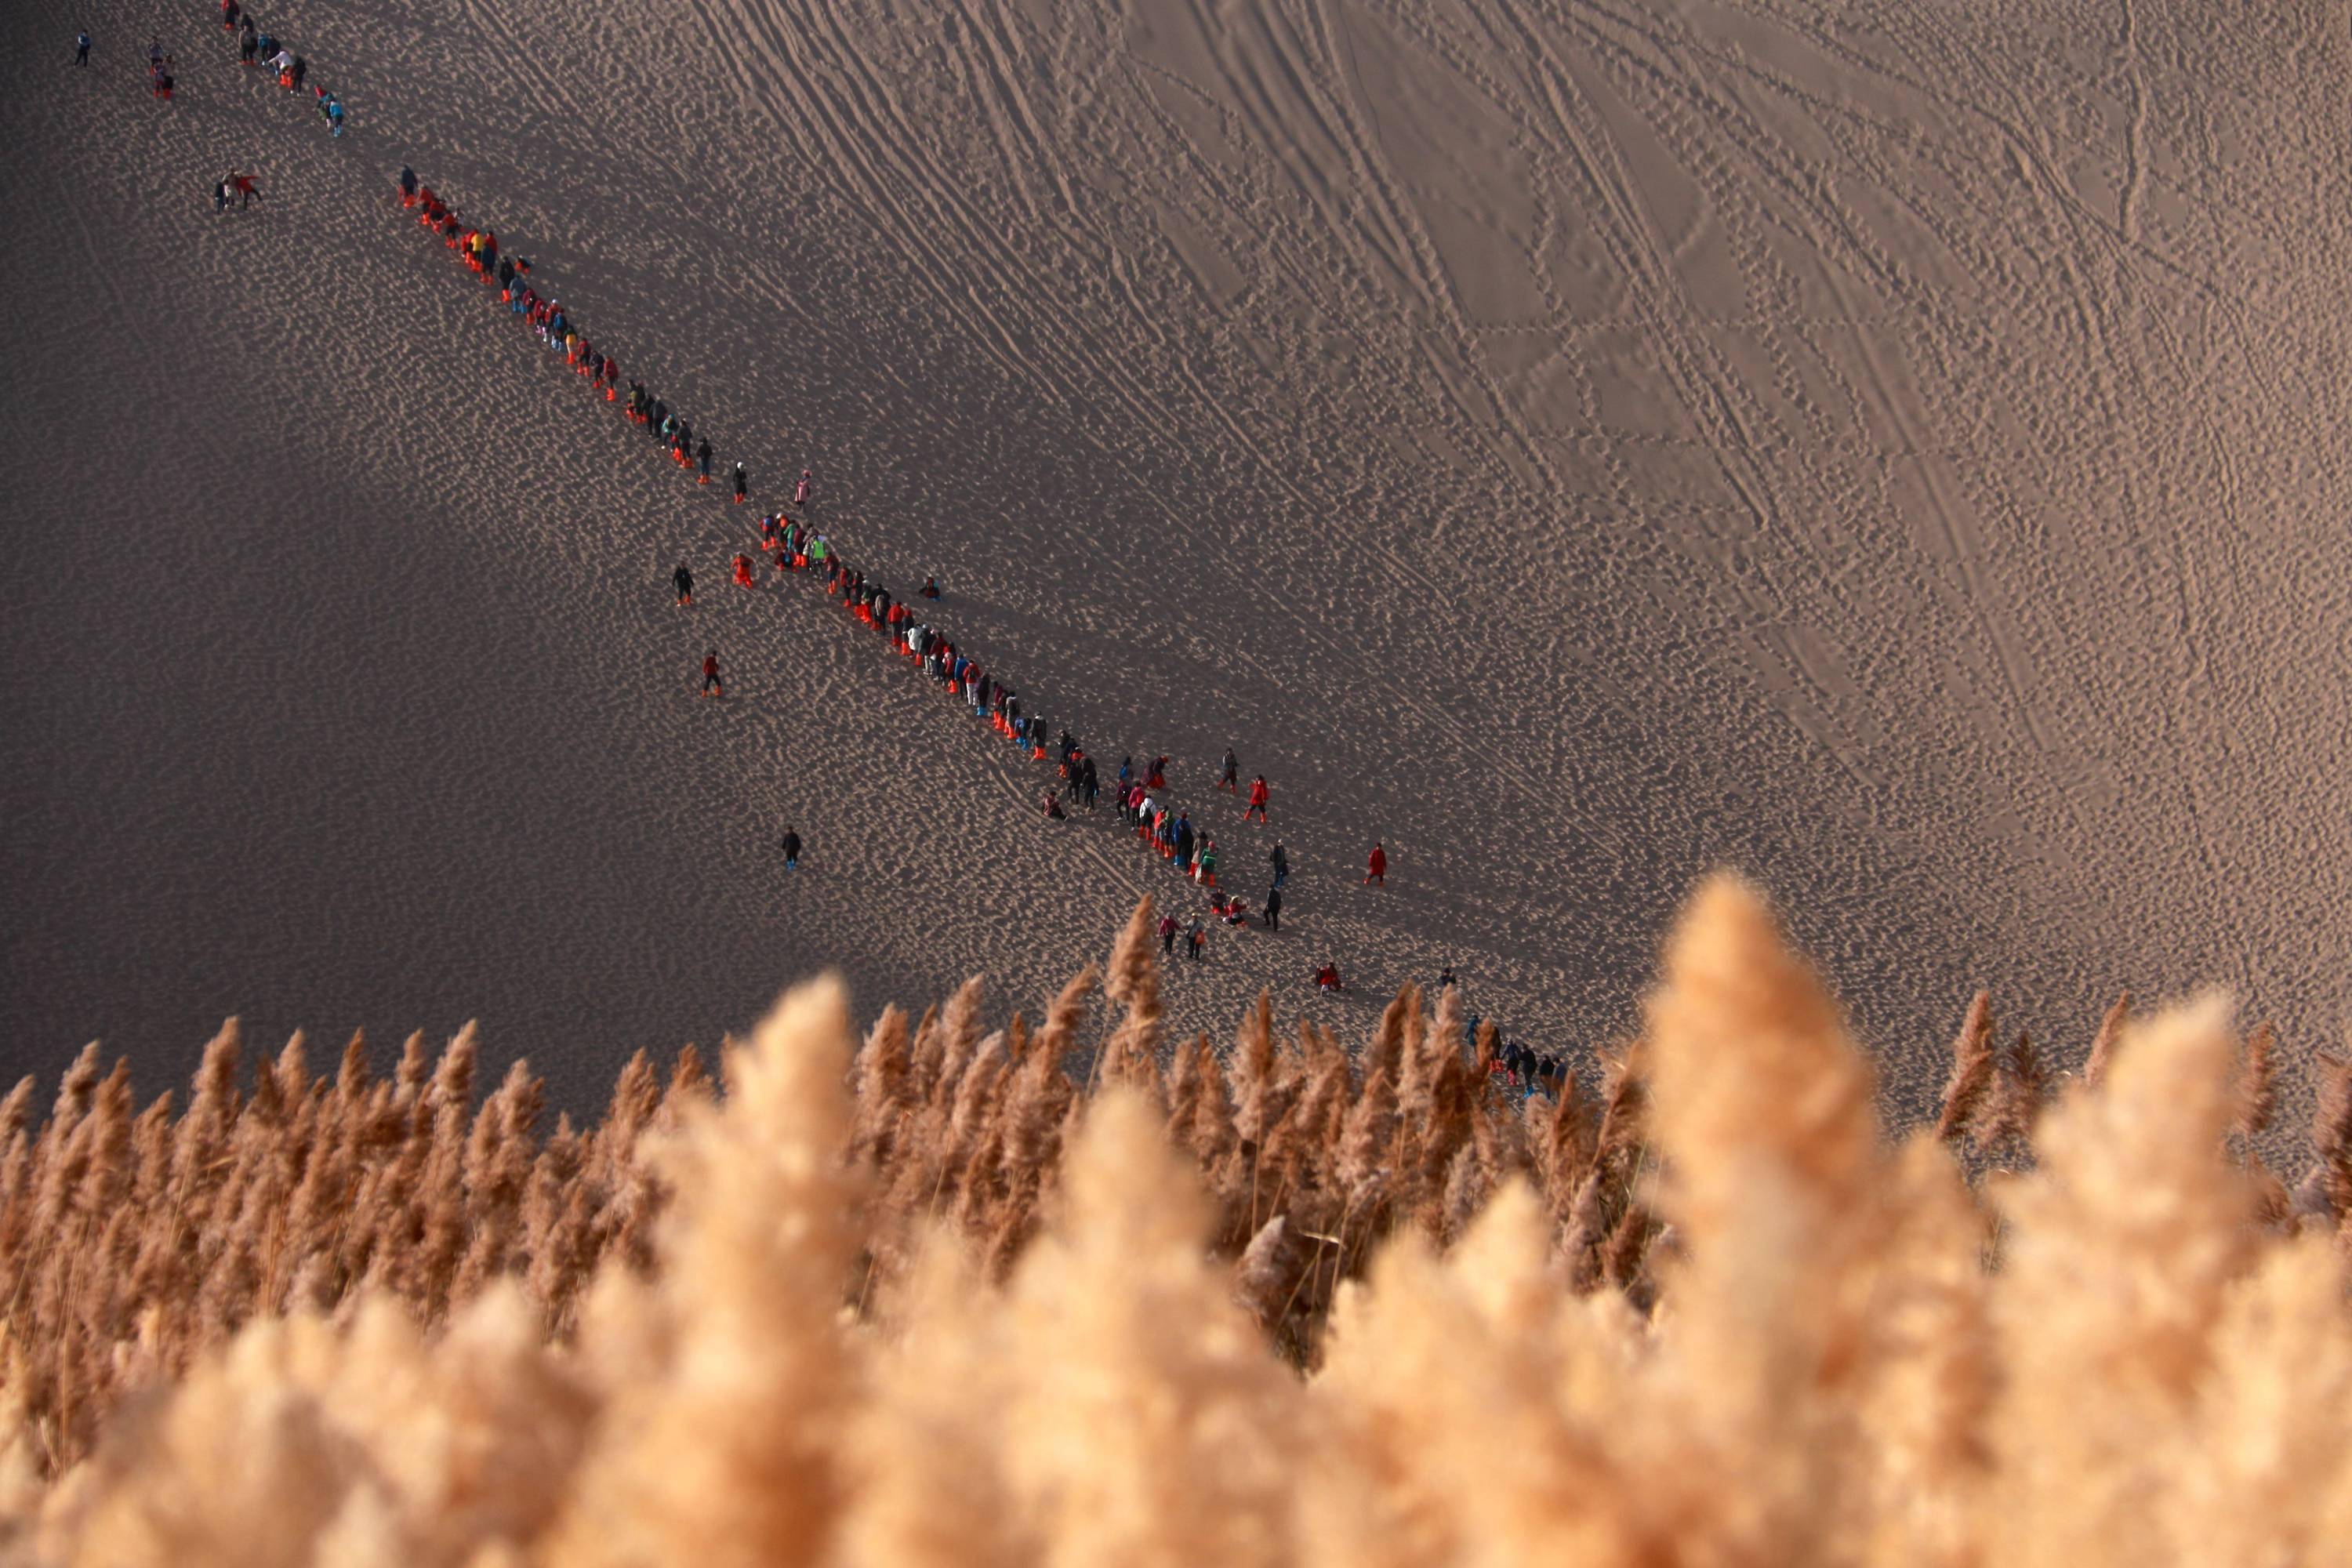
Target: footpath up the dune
(1574, 445)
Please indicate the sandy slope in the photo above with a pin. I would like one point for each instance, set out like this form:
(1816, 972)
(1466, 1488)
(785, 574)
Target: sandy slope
(1891, 448)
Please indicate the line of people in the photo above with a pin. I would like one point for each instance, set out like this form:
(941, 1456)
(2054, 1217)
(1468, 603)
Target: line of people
(1141, 796)
(556, 326)
(257, 47)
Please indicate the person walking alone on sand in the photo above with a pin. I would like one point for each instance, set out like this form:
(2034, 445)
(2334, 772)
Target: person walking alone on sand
(742, 482)
(711, 685)
(81, 48)
(1376, 865)
(1232, 769)
(683, 581)
(801, 490)
(1257, 806)
(791, 848)
(1281, 864)
(1274, 909)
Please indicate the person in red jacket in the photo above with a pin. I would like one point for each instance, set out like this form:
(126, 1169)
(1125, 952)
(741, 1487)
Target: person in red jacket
(743, 572)
(711, 685)
(1257, 806)
(1376, 868)
(1328, 977)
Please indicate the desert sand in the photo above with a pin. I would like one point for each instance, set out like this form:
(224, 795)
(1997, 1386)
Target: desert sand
(1888, 448)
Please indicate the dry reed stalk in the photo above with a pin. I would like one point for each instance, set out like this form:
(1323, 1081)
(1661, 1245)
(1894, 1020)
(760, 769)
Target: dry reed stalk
(2258, 1471)
(2155, 1372)
(1972, 1070)
(2021, 1086)
(1131, 979)
(2118, 1264)
(884, 1071)
(1764, 1118)
(2257, 1085)
(926, 1487)
(757, 1247)
(1150, 1423)
(2110, 1035)
(2331, 1133)
(956, 1041)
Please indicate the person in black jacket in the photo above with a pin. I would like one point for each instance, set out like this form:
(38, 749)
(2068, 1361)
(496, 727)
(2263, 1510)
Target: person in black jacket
(791, 848)
(683, 581)
(1274, 909)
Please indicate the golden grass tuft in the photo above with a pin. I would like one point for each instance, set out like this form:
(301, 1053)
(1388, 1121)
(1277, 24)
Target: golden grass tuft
(946, 1297)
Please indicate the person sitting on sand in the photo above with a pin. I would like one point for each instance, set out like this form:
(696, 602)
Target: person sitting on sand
(1328, 977)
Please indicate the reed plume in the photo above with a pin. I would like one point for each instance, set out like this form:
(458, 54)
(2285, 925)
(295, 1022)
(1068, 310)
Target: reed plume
(952, 1302)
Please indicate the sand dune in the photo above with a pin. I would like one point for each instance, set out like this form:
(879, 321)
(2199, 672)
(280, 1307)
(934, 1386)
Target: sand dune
(1890, 450)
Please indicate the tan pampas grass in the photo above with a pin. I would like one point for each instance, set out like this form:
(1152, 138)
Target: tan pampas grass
(1972, 1070)
(1733, 1327)
(2121, 1258)
(2258, 1084)
(1152, 1424)
(1764, 1117)
(926, 1479)
(2331, 1135)
(2020, 1084)
(758, 1246)
(2110, 1035)
(1131, 979)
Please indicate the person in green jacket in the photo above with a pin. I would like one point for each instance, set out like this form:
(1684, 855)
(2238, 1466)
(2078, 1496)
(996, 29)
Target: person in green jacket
(1204, 864)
